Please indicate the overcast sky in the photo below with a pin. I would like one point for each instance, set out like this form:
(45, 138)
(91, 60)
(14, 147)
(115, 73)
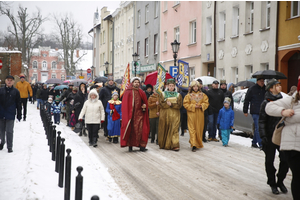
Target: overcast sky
(82, 11)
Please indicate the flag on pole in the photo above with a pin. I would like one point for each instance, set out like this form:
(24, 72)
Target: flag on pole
(160, 82)
(183, 78)
(125, 81)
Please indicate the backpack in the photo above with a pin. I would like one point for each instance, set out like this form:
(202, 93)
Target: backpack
(72, 121)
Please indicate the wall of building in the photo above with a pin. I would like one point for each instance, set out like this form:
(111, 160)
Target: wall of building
(11, 64)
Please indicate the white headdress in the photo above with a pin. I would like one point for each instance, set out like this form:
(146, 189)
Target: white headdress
(135, 78)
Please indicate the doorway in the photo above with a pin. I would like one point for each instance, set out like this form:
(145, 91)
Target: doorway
(293, 70)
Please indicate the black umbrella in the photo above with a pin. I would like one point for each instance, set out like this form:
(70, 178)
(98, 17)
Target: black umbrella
(119, 81)
(100, 79)
(245, 83)
(269, 74)
(54, 81)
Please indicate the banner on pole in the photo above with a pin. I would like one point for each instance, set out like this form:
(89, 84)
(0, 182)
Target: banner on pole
(161, 76)
(183, 78)
(125, 81)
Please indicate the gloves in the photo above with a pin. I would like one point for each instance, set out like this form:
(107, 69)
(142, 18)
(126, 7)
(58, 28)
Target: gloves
(80, 120)
(30, 98)
(102, 121)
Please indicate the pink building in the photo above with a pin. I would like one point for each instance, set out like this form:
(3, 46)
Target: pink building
(46, 63)
(181, 21)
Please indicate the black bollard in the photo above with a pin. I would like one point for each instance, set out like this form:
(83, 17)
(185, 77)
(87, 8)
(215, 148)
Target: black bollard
(57, 159)
(49, 131)
(68, 175)
(79, 184)
(95, 197)
(51, 139)
(61, 164)
(53, 143)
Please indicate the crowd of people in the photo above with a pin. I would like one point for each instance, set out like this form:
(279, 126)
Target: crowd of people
(142, 113)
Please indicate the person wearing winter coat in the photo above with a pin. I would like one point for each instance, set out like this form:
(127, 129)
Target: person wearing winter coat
(56, 110)
(149, 90)
(225, 121)
(94, 114)
(154, 108)
(205, 112)
(183, 113)
(267, 126)
(38, 97)
(227, 93)
(34, 90)
(290, 136)
(63, 98)
(48, 105)
(44, 94)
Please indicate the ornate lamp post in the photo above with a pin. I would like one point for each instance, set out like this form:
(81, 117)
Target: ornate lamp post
(106, 67)
(92, 72)
(175, 47)
(135, 57)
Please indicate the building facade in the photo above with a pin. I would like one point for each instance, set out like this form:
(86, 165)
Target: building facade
(11, 65)
(46, 63)
(96, 42)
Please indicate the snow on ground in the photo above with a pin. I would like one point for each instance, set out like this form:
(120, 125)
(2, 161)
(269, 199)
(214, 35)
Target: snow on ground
(29, 173)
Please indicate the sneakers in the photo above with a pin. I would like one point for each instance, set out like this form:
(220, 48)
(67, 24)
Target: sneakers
(274, 190)
(10, 150)
(1, 146)
(282, 188)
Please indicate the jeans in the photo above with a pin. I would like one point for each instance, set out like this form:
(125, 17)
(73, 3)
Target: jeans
(225, 136)
(56, 117)
(256, 137)
(24, 104)
(212, 125)
(39, 101)
(7, 126)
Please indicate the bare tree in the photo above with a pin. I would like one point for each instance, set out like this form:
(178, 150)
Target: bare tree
(25, 29)
(70, 37)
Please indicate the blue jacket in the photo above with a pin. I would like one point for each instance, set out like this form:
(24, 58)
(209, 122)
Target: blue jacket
(225, 118)
(10, 102)
(56, 108)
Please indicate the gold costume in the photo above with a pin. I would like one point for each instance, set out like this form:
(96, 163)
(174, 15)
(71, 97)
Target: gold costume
(195, 116)
(169, 120)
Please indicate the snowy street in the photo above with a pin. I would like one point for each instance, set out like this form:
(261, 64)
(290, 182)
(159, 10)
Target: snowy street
(111, 172)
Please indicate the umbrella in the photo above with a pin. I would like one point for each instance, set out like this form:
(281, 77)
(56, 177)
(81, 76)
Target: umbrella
(119, 81)
(269, 74)
(77, 82)
(66, 82)
(245, 83)
(152, 78)
(206, 80)
(54, 81)
(100, 79)
(60, 87)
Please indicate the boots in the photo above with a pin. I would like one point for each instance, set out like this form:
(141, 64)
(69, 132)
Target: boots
(130, 149)
(143, 149)
(282, 187)
(274, 190)
(95, 142)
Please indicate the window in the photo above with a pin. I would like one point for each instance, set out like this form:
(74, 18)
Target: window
(53, 75)
(165, 41)
(165, 5)
(222, 25)
(268, 11)
(248, 71)
(264, 66)
(295, 8)
(192, 73)
(176, 34)
(156, 9)
(235, 21)
(139, 18)
(62, 77)
(44, 65)
(249, 16)
(34, 77)
(235, 74)
(146, 47)
(138, 48)
(193, 32)
(103, 37)
(53, 65)
(222, 73)
(208, 30)
(34, 65)
(156, 44)
(147, 13)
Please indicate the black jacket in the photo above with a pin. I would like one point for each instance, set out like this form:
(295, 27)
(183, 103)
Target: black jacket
(183, 93)
(216, 99)
(106, 91)
(10, 102)
(228, 94)
(148, 94)
(44, 94)
(255, 96)
(267, 123)
(79, 100)
(65, 94)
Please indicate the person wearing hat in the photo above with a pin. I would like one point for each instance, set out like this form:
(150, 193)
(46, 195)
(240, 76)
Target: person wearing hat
(225, 121)
(105, 96)
(24, 88)
(289, 107)
(149, 90)
(56, 107)
(63, 97)
(255, 96)
(227, 93)
(170, 103)
(205, 112)
(267, 125)
(135, 118)
(10, 105)
(216, 98)
(44, 94)
(195, 102)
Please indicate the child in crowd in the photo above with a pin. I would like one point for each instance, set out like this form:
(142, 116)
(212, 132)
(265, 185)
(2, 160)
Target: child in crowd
(72, 120)
(56, 110)
(48, 105)
(225, 121)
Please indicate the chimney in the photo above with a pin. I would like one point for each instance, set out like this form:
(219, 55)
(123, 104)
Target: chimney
(77, 53)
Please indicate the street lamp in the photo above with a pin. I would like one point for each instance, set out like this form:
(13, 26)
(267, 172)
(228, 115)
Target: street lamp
(106, 67)
(135, 57)
(175, 47)
(92, 72)
(80, 72)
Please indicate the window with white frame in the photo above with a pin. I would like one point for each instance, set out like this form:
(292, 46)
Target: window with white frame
(235, 74)
(249, 16)
(165, 41)
(208, 30)
(165, 5)
(268, 13)
(222, 25)
(235, 21)
(34, 64)
(53, 65)
(295, 8)
(138, 46)
(146, 47)
(248, 71)
(155, 44)
(139, 18)
(147, 13)
(44, 65)
(156, 9)
(192, 73)
(222, 73)
(63, 77)
(176, 34)
(264, 66)
(193, 31)
(35, 77)
(53, 75)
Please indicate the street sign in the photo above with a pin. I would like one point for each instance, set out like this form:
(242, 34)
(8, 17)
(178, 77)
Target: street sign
(1, 64)
(89, 75)
(173, 71)
(89, 70)
(81, 77)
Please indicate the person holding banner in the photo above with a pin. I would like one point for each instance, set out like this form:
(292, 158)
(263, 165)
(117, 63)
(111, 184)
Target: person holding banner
(170, 102)
(195, 102)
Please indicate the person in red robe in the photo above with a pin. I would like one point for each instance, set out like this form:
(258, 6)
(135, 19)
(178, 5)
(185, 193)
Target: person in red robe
(135, 119)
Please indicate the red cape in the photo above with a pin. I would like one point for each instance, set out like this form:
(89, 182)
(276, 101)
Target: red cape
(127, 116)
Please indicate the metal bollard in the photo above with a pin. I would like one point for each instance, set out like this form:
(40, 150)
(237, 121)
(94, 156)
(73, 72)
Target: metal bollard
(53, 142)
(79, 184)
(57, 159)
(49, 131)
(68, 175)
(51, 138)
(61, 164)
(95, 197)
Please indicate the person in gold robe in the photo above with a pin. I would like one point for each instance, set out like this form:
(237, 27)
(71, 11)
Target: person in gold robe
(195, 102)
(170, 103)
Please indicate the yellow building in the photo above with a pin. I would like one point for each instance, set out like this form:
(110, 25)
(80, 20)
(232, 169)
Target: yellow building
(288, 54)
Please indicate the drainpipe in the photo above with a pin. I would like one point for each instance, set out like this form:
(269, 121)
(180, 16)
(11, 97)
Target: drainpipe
(109, 18)
(215, 37)
(276, 42)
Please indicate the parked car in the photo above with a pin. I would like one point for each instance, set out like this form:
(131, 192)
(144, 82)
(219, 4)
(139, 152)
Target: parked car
(241, 122)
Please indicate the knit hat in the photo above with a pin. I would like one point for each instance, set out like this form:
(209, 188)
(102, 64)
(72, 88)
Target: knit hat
(57, 98)
(223, 82)
(215, 82)
(110, 78)
(298, 86)
(113, 93)
(171, 81)
(10, 77)
(149, 86)
(200, 81)
(259, 77)
(227, 100)
(50, 99)
(75, 89)
(271, 82)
